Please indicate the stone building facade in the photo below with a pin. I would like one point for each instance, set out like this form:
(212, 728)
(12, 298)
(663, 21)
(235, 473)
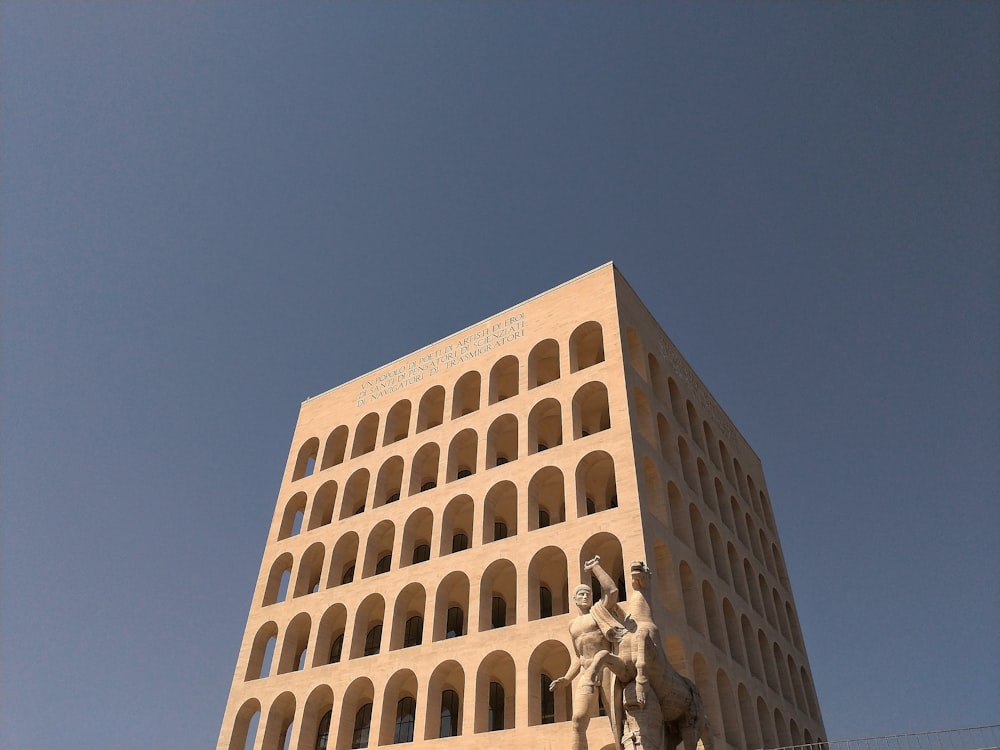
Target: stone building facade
(435, 515)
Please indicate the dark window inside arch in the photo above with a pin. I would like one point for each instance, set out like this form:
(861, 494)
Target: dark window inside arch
(459, 542)
(543, 518)
(392, 498)
(362, 727)
(548, 700)
(348, 574)
(373, 641)
(591, 506)
(455, 623)
(428, 486)
(421, 553)
(449, 714)
(544, 602)
(501, 460)
(463, 473)
(359, 510)
(499, 614)
(495, 720)
(406, 709)
(323, 733)
(336, 649)
(613, 501)
(499, 531)
(542, 447)
(383, 564)
(413, 633)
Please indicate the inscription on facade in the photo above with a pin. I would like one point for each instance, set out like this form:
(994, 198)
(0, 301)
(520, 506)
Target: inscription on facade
(463, 348)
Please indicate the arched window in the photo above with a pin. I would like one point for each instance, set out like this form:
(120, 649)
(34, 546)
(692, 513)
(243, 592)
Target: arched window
(449, 714)
(336, 649)
(499, 612)
(323, 732)
(495, 720)
(544, 602)
(373, 641)
(362, 727)
(348, 574)
(406, 710)
(455, 624)
(543, 518)
(383, 564)
(548, 700)
(459, 542)
(499, 530)
(421, 553)
(413, 633)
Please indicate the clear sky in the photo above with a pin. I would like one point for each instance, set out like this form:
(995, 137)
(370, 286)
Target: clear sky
(211, 211)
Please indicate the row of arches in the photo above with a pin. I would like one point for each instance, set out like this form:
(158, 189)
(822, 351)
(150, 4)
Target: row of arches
(722, 556)
(500, 596)
(505, 511)
(494, 696)
(467, 454)
(685, 414)
(677, 455)
(447, 703)
(586, 348)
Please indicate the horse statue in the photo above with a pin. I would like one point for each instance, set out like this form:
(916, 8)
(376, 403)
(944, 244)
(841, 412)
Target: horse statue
(659, 706)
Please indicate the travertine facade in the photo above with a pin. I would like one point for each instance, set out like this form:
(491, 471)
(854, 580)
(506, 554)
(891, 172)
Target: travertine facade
(435, 516)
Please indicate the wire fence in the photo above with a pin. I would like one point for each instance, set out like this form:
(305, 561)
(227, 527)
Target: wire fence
(970, 738)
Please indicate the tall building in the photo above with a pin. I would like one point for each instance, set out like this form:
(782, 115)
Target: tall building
(435, 515)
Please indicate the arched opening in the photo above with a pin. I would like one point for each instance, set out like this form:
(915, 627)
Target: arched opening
(336, 448)
(245, 725)
(548, 584)
(277, 580)
(424, 470)
(595, 484)
(365, 435)
(548, 661)
(546, 498)
(586, 346)
(291, 517)
(366, 637)
(322, 507)
(504, 379)
(355, 494)
(716, 625)
(695, 422)
(343, 560)
(501, 441)
(591, 410)
(305, 462)
(466, 397)
(733, 633)
(389, 483)
(317, 715)
(456, 525)
(430, 412)
(607, 546)
(687, 464)
(329, 647)
(278, 728)
(293, 646)
(310, 570)
(495, 693)
(748, 718)
(500, 512)
(399, 708)
(417, 533)
(668, 446)
(701, 547)
(397, 423)
(544, 426)
(658, 381)
(408, 617)
(730, 711)
(543, 363)
(445, 698)
(462, 455)
(750, 648)
(262, 652)
(451, 606)
(356, 715)
(644, 416)
(693, 611)
(378, 550)
(677, 404)
(635, 352)
(498, 596)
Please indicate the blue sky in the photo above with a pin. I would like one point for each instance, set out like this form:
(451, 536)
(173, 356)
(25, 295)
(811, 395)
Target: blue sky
(212, 211)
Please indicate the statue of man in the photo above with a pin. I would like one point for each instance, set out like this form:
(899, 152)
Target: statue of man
(595, 631)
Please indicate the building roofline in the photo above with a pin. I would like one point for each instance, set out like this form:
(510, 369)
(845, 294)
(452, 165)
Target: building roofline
(460, 331)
